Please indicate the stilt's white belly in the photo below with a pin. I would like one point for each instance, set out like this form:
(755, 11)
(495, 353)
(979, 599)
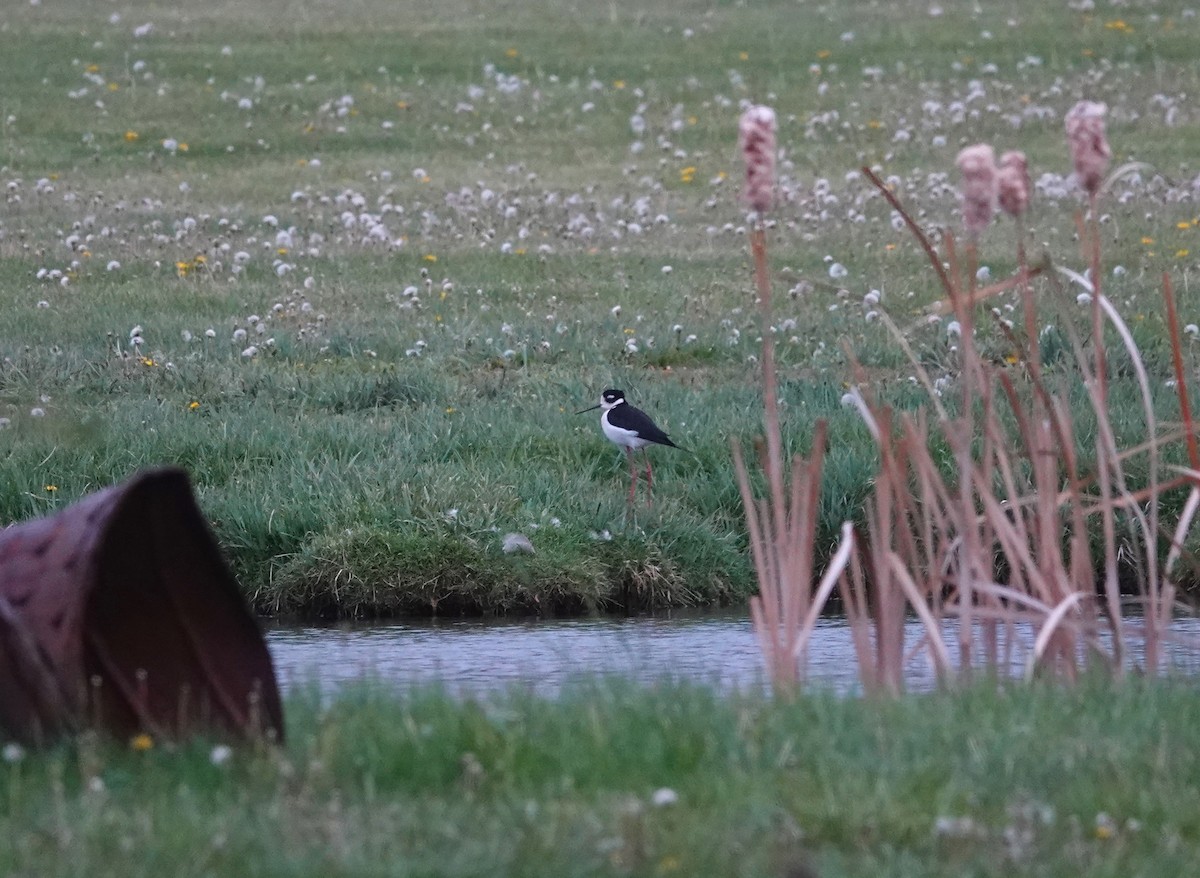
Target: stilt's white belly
(624, 438)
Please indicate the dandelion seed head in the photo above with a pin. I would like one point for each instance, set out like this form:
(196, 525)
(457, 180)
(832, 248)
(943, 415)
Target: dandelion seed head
(663, 797)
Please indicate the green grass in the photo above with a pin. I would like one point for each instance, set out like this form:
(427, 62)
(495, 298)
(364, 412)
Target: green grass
(1036, 780)
(371, 457)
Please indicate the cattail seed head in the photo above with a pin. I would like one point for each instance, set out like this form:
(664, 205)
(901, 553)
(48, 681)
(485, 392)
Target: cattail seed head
(1088, 143)
(756, 136)
(1012, 183)
(978, 166)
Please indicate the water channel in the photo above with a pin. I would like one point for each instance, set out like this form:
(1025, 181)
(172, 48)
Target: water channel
(474, 657)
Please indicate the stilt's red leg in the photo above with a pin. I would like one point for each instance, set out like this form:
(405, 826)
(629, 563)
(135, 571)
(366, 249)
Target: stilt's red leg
(649, 476)
(633, 474)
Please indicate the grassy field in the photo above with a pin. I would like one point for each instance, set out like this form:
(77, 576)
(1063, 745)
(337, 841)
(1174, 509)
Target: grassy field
(621, 780)
(355, 265)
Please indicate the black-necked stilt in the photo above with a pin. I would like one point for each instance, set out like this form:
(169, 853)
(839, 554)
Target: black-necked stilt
(630, 428)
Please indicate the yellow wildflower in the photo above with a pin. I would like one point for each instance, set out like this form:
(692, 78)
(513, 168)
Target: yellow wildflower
(141, 743)
(131, 136)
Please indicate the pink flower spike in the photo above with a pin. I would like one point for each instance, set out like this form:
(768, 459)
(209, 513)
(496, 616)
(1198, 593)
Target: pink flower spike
(756, 135)
(1012, 181)
(978, 166)
(1088, 144)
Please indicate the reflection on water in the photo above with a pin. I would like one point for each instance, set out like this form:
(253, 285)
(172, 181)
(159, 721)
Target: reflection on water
(476, 656)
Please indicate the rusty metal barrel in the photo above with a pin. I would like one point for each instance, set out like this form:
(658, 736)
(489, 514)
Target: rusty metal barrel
(119, 613)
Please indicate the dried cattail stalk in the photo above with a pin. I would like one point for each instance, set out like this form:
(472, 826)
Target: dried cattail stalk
(1012, 183)
(756, 136)
(978, 166)
(1088, 143)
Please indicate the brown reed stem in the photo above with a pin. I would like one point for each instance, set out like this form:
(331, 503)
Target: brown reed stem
(1093, 227)
(1185, 409)
(762, 283)
(917, 231)
(1033, 341)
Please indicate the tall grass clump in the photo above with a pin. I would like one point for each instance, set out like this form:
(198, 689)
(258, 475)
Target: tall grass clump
(1004, 524)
